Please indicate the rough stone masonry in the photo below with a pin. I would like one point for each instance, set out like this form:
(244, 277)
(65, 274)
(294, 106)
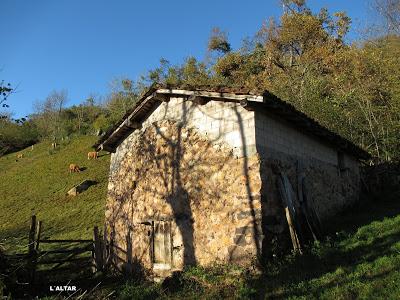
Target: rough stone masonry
(171, 173)
(196, 184)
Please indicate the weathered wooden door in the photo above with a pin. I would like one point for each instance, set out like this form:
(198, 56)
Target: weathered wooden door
(162, 244)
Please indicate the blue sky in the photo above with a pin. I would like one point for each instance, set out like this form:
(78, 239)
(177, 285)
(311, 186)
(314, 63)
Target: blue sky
(82, 45)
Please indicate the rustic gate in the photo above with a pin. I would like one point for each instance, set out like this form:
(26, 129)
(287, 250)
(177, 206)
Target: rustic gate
(62, 255)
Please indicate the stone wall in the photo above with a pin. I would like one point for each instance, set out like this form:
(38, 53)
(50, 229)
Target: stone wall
(221, 121)
(170, 172)
(209, 172)
(283, 148)
(280, 136)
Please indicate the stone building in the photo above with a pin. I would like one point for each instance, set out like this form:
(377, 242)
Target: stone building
(198, 176)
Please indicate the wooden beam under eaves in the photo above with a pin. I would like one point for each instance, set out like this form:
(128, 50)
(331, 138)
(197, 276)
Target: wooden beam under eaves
(105, 148)
(133, 125)
(200, 100)
(161, 97)
(246, 105)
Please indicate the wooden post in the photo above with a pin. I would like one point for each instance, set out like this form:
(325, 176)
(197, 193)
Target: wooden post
(105, 248)
(292, 230)
(285, 192)
(97, 251)
(94, 251)
(38, 234)
(31, 250)
(32, 232)
(101, 251)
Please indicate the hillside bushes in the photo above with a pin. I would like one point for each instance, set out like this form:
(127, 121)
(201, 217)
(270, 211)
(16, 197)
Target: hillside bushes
(15, 136)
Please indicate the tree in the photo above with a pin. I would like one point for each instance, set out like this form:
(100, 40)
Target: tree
(191, 73)
(389, 10)
(122, 98)
(101, 124)
(16, 134)
(218, 41)
(48, 114)
(5, 91)
(368, 92)
(303, 58)
(80, 116)
(294, 6)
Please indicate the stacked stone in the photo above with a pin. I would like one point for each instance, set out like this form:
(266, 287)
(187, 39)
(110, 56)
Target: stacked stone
(212, 198)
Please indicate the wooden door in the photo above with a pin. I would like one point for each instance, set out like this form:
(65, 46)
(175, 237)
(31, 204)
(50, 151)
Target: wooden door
(162, 243)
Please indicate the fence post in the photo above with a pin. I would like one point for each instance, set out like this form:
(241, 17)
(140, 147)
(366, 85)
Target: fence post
(105, 248)
(31, 250)
(32, 231)
(97, 251)
(38, 234)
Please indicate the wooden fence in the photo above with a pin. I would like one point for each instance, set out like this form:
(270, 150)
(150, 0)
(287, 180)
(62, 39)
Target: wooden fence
(62, 253)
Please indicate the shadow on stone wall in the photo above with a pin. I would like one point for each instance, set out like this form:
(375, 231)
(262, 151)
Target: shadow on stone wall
(172, 164)
(256, 216)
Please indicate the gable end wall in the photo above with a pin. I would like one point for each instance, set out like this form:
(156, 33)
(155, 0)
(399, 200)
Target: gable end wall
(282, 147)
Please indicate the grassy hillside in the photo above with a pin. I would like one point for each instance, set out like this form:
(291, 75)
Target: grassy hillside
(38, 183)
(359, 260)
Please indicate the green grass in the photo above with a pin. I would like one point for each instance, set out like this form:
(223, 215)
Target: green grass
(364, 264)
(38, 183)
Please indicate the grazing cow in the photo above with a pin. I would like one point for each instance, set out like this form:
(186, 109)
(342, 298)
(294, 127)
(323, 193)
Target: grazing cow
(20, 155)
(93, 155)
(74, 168)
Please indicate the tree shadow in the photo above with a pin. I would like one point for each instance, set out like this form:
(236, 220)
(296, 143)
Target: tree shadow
(310, 267)
(345, 250)
(256, 218)
(187, 170)
(364, 212)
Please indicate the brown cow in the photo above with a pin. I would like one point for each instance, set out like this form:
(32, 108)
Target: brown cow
(21, 155)
(74, 168)
(93, 155)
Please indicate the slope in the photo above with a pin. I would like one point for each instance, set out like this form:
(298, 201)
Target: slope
(38, 182)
